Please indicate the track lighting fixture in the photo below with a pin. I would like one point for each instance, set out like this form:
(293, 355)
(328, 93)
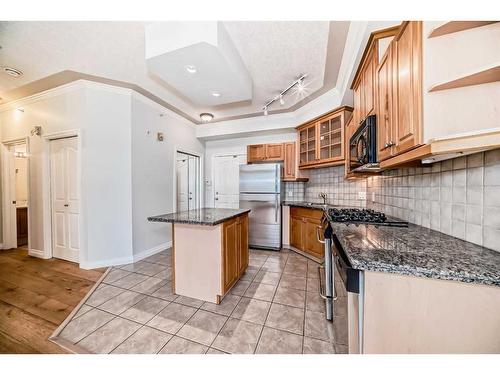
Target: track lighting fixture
(265, 111)
(298, 83)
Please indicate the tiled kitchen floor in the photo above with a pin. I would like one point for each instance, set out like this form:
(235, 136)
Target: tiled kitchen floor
(274, 308)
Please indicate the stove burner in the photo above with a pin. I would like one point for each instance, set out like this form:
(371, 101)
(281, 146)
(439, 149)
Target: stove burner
(354, 215)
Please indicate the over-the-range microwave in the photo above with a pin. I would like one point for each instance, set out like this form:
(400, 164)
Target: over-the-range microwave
(363, 147)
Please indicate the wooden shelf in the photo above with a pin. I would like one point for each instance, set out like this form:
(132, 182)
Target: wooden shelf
(299, 179)
(456, 26)
(488, 75)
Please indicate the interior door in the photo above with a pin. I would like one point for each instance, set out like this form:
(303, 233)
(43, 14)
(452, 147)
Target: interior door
(182, 184)
(226, 180)
(65, 196)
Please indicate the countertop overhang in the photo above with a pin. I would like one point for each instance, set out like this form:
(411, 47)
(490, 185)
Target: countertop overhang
(202, 216)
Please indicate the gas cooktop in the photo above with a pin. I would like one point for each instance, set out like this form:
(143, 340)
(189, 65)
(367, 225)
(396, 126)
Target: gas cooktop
(361, 216)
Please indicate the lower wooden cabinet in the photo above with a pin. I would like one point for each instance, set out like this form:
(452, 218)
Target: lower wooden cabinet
(303, 228)
(235, 250)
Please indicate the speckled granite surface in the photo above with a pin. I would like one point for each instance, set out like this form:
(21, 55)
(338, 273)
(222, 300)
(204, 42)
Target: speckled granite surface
(203, 216)
(315, 206)
(418, 251)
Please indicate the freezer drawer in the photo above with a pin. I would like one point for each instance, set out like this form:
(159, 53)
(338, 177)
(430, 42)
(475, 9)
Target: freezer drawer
(264, 219)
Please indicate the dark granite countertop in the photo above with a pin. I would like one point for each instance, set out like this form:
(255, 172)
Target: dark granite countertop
(203, 216)
(418, 251)
(314, 206)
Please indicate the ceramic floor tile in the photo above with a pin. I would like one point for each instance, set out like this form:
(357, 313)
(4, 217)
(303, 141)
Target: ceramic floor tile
(150, 269)
(340, 334)
(293, 282)
(121, 302)
(82, 310)
(178, 345)
(252, 310)
(132, 267)
(145, 310)
(165, 274)
(109, 336)
(188, 301)
(103, 294)
(312, 285)
(172, 318)
(295, 270)
(341, 349)
(314, 302)
(256, 262)
(267, 277)
(165, 292)
(144, 341)
(316, 326)
(239, 288)
(274, 341)
(203, 327)
(290, 297)
(166, 262)
(286, 318)
(115, 275)
(273, 267)
(84, 325)
(215, 351)
(149, 286)
(129, 281)
(226, 307)
(238, 337)
(314, 346)
(260, 291)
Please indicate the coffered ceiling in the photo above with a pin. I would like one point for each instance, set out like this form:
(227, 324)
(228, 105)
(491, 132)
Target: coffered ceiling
(247, 63)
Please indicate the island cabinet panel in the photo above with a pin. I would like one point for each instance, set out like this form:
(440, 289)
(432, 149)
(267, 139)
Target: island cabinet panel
(303, 226)
(234, 251)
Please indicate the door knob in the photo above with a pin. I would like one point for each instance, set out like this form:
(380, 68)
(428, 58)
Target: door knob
(216, 199)
(14, 202)
(66, 205)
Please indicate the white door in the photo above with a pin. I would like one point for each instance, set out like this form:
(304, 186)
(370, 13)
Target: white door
(182, 185)
(227, 180)
(65, 195)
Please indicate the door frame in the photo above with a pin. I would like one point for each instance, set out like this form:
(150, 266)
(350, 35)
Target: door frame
(9, 221)
(47, 196)
(201, 190)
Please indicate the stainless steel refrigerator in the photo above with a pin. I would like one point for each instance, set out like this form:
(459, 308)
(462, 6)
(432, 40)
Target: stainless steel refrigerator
(261, 191)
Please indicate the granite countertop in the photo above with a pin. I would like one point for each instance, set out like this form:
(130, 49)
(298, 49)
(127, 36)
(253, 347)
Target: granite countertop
(418, 251)
(314, 206)
(203, 216)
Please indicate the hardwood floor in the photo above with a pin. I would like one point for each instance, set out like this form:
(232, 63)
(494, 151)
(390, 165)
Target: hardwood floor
(36, 295)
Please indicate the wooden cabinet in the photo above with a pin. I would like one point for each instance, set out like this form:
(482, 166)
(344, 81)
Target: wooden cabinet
(304, 224)
(368, 94)
(289, 165)
(408, 86)
(321, 141)
(265, 153)
(256, 153)
(235, 250)
(22, 225)
(385, 106)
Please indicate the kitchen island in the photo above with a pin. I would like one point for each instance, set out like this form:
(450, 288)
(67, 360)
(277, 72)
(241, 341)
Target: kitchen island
(209, 252)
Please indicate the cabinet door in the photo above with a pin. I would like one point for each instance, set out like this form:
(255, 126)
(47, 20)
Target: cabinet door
(274, 152)
(308, 145)
(311, 243)
(256, 153)
(231, 253)
(289, 165)
(331, 138)
(243, 243)
(357, 106)
(368, 85)
(408, 50)
(384, 107)
(296, 232)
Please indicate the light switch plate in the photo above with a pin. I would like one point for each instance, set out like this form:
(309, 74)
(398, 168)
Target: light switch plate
(290, 193)
(373, 196)
(362, 195)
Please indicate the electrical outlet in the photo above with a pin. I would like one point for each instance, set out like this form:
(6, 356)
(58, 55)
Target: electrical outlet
(373, 196)
(290, 193)
(362, 195)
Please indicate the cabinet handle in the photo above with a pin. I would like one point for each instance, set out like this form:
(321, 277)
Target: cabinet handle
(318, 235)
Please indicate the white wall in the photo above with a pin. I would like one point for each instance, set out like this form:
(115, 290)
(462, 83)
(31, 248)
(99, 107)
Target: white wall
(236, 146)
(153, 167)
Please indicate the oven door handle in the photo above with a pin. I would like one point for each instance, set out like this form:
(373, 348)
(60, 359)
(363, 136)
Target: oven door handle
(318, 235)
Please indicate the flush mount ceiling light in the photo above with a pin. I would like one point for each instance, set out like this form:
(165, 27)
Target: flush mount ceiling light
(298, 83)
(206, 117)
(191, 69)
(216, 94)
(13, 72)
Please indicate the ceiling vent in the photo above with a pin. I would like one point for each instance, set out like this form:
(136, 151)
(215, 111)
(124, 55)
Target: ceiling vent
(13, 72)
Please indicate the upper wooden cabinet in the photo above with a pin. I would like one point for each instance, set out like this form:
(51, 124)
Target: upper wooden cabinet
(321, 141)
(388, 83)
(265, 152)
(289, 166)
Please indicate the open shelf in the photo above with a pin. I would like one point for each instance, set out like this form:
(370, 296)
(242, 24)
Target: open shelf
(456, 26)
(487, 75)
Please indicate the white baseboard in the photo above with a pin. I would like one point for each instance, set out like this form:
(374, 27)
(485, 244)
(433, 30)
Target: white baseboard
(37, 253)
(1, 246)
(106, 263)
(152, 251)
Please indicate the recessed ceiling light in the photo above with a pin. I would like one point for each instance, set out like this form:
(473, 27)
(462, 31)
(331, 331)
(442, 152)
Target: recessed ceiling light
(13, 72)
(191, 69)
(206, 117)
(216, 94)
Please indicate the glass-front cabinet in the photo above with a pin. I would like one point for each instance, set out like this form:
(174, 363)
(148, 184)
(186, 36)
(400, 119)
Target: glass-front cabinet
(322, 140)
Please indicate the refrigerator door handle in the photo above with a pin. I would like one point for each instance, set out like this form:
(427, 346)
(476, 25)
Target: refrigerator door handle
(276, 208)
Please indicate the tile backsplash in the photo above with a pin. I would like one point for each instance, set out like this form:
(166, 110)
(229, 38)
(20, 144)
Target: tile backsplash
(330, 181)
(459, 197)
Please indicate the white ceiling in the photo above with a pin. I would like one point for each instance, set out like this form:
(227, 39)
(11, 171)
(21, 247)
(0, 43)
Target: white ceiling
(274, 54)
